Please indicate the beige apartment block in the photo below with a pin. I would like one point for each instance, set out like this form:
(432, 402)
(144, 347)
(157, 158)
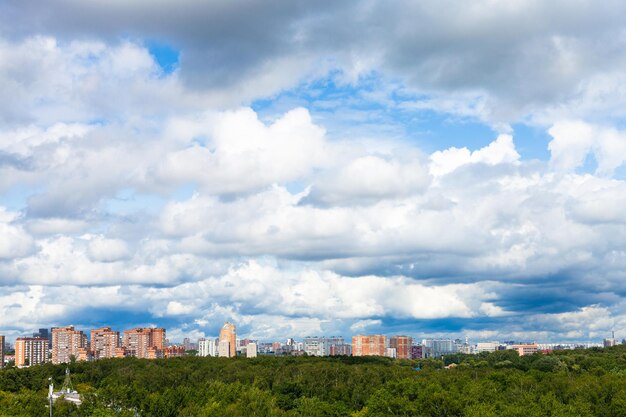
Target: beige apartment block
(148, 343)
(104, 343)
(66, 342)
(30, 351)
(228, 334)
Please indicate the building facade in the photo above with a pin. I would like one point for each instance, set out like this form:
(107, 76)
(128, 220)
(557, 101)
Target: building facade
(228, 334)
(66, 342)
(104, 343)
(251, 351)
(174, 351)
(316, 346)
(145, 343)
(207, 347)
(402, 345)
(435, 348)
(340, 350)
(417, 352)
(524, 349)
(30, 351)
(1, 351)
(488, 347)
(373, 345)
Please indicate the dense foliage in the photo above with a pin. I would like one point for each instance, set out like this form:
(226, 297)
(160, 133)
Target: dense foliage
(567, 383)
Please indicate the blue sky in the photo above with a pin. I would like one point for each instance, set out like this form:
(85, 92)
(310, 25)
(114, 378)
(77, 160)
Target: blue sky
(436, 169)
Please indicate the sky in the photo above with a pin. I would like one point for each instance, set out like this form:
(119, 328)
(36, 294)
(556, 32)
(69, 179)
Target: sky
(432, 168)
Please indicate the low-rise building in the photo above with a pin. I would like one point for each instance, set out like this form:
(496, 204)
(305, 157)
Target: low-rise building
(524, 349)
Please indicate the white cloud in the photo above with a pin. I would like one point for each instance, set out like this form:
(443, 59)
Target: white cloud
(288, 229)
(107, 250)
(501, 151)
(15, 242)
(243, 154)
(573, 141)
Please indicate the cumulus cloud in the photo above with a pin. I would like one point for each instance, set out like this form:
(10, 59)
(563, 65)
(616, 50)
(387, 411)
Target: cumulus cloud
(15, 242)
(500, 151)
(175, 196)
(484, 53)
(573, 141)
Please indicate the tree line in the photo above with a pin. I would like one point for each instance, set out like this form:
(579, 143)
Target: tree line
(564, 383)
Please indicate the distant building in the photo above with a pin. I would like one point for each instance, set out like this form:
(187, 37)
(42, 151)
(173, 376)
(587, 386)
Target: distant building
(148, 343)
(84, 354)
(391, 352)
(402, 345)
(316, 346)
(66, 342)
(373, 345)
(207, 347)
(524, 349)
(223, 349)
(44, 334)
(174, 351)
(189, 345)
(487, 347)
(416, 352)
(30, 351)
(251, 351)
(104, 343)
(610, 342)
(435, 348)
(340, 350)
(228, 335)
(1, 351)
(242, 344)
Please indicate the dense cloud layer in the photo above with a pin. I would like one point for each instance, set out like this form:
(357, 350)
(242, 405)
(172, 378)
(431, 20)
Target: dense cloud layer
(130, 195)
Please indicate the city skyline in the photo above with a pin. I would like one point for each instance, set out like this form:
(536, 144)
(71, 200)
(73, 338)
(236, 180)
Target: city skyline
(308, 168)
(106, 338)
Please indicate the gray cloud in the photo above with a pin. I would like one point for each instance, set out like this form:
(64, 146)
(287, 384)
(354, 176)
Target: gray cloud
(515, 59)
(138, 182)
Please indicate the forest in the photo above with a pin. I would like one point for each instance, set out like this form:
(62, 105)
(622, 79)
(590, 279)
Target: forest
(564, 383)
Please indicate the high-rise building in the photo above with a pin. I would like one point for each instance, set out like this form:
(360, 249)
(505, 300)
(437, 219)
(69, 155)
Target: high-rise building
(402, 345)
(316, 346)
(228, 334)
(148, 343)
(1, 351)
(207, 347)
(30, 351)
(44, 334)
(223, 349)
(340, 350)
(435, 348)
(251, 350)
(610, 342)
(66, 341)
(158, 339)
(417, 352)
(104, 343)
(373, 345)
